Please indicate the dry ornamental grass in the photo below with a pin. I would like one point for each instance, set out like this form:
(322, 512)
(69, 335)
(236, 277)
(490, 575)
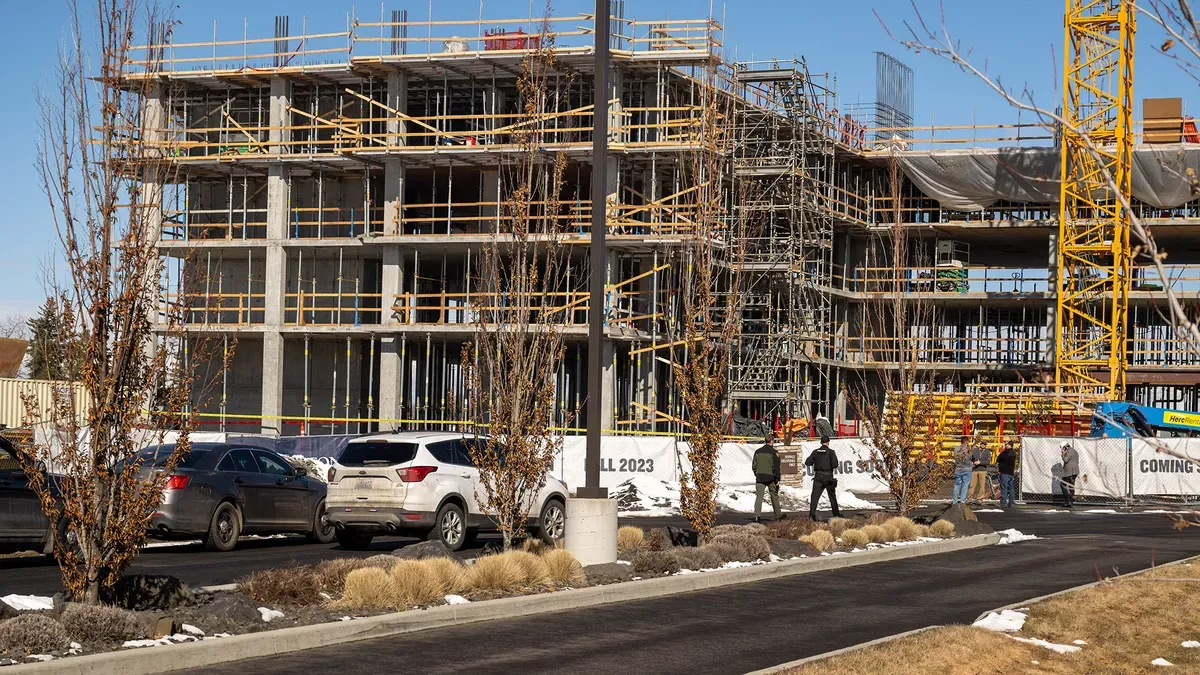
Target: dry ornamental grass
(821, 540)
(450, 574)
(942, 528)
(875, 533)
(630, 539)
(564, 569)
(368, 587)
(331, 574)
(413, 584)
(855, 538)
(533, 568)
(495, 573)
(293, 585)
(906, 530)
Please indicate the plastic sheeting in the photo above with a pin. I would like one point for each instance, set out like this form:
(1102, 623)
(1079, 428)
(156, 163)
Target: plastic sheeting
(972, 180)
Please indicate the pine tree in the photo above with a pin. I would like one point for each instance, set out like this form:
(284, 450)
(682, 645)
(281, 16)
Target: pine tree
(47, 350)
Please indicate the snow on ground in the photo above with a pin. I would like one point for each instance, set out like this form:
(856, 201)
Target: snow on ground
(189, 628)
(1099, 511)
(146, 643)
(649, 496)
(1189, 644)
(1006, 620)
(40, 657)
(988, 510)
(1078, 642)
(456, 600)
(25, 603)
(1052, 646)
(1012, 536)
(269, 614)
(1160, 661)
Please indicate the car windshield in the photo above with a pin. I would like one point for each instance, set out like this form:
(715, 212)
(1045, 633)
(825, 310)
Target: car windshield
(158, 455)
(377, 453)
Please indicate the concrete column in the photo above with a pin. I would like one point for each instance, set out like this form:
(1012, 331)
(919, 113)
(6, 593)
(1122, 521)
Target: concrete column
(281, 115)
(393, 179)
(609, 398)
(590, 530)
(490, 193)
(275, 270)
(391, 368)
(272, 382)
(154, 131)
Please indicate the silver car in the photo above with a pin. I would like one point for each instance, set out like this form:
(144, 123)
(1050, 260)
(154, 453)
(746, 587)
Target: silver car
(219, 492)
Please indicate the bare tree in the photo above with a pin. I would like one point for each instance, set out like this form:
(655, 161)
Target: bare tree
(518, 310)
(14, 326)
(710, 275)
(101, 169)
(907, 429)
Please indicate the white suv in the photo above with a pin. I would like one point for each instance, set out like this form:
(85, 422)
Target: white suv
(421, 482)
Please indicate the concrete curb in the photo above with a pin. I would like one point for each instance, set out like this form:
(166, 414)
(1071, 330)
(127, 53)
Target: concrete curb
(838, 652)
(269, 643)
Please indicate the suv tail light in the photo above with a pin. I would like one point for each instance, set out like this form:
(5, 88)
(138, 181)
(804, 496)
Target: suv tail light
(176, 482)
(331, 475)
(415, 474)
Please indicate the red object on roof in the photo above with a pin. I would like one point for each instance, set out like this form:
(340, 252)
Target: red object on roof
(1190, 134)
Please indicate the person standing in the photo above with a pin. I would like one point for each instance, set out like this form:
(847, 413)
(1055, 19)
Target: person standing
(824, 461)
(1006, 464)
(766, 476)
(962, 470)
(1070, 472)
(980, 458)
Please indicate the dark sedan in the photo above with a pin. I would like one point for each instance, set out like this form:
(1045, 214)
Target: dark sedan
(23, 527)
(219, 492)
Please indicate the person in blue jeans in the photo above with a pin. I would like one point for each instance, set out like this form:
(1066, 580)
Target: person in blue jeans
(962, 470)
(1006, 464)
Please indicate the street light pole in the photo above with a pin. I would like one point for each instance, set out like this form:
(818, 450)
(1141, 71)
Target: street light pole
(599, 259)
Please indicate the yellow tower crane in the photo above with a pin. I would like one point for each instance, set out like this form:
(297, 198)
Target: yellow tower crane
(1093, 227)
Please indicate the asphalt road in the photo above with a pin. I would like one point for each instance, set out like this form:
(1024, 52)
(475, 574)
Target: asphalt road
(736, 629)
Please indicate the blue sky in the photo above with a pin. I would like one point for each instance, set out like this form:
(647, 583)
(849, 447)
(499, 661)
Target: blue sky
(1020, 40)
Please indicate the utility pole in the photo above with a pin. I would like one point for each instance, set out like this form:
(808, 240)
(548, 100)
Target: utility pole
(599, 260)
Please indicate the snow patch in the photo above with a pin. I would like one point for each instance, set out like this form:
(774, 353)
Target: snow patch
(653, 497)
(1052, 646)
(146, 643)
(1099, 511)
(988, 510)
(456, 600)
(1160, 661)
(27, 603)
(1078, 642)
(1012, 536)
(40, 657)
(269, 614)
(1006, 620)
(1189, 644)
(189, 628)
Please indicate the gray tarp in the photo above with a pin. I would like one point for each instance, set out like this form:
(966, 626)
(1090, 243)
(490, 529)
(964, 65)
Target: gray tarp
(971, 180)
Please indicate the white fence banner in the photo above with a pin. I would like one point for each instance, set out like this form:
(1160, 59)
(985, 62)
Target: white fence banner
(626, 457)
(1103, 466)
(1158, 469)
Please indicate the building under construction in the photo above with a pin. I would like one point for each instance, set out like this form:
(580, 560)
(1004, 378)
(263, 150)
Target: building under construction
(332, 192)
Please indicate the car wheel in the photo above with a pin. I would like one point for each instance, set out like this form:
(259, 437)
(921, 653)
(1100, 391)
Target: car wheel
(353, 541)
(553, 522)
(70, 542)
(323, 531)
(225, 528)
(450, 527)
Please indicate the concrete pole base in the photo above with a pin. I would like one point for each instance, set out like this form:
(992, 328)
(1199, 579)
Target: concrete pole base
(591, 530)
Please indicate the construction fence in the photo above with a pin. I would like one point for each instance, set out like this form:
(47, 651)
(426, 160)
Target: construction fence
(1113, 470)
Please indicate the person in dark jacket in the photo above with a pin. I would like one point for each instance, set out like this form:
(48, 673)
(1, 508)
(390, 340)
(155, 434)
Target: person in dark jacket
(766, 476)
(1006, 464)
(824, 461)
(1070, 472)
